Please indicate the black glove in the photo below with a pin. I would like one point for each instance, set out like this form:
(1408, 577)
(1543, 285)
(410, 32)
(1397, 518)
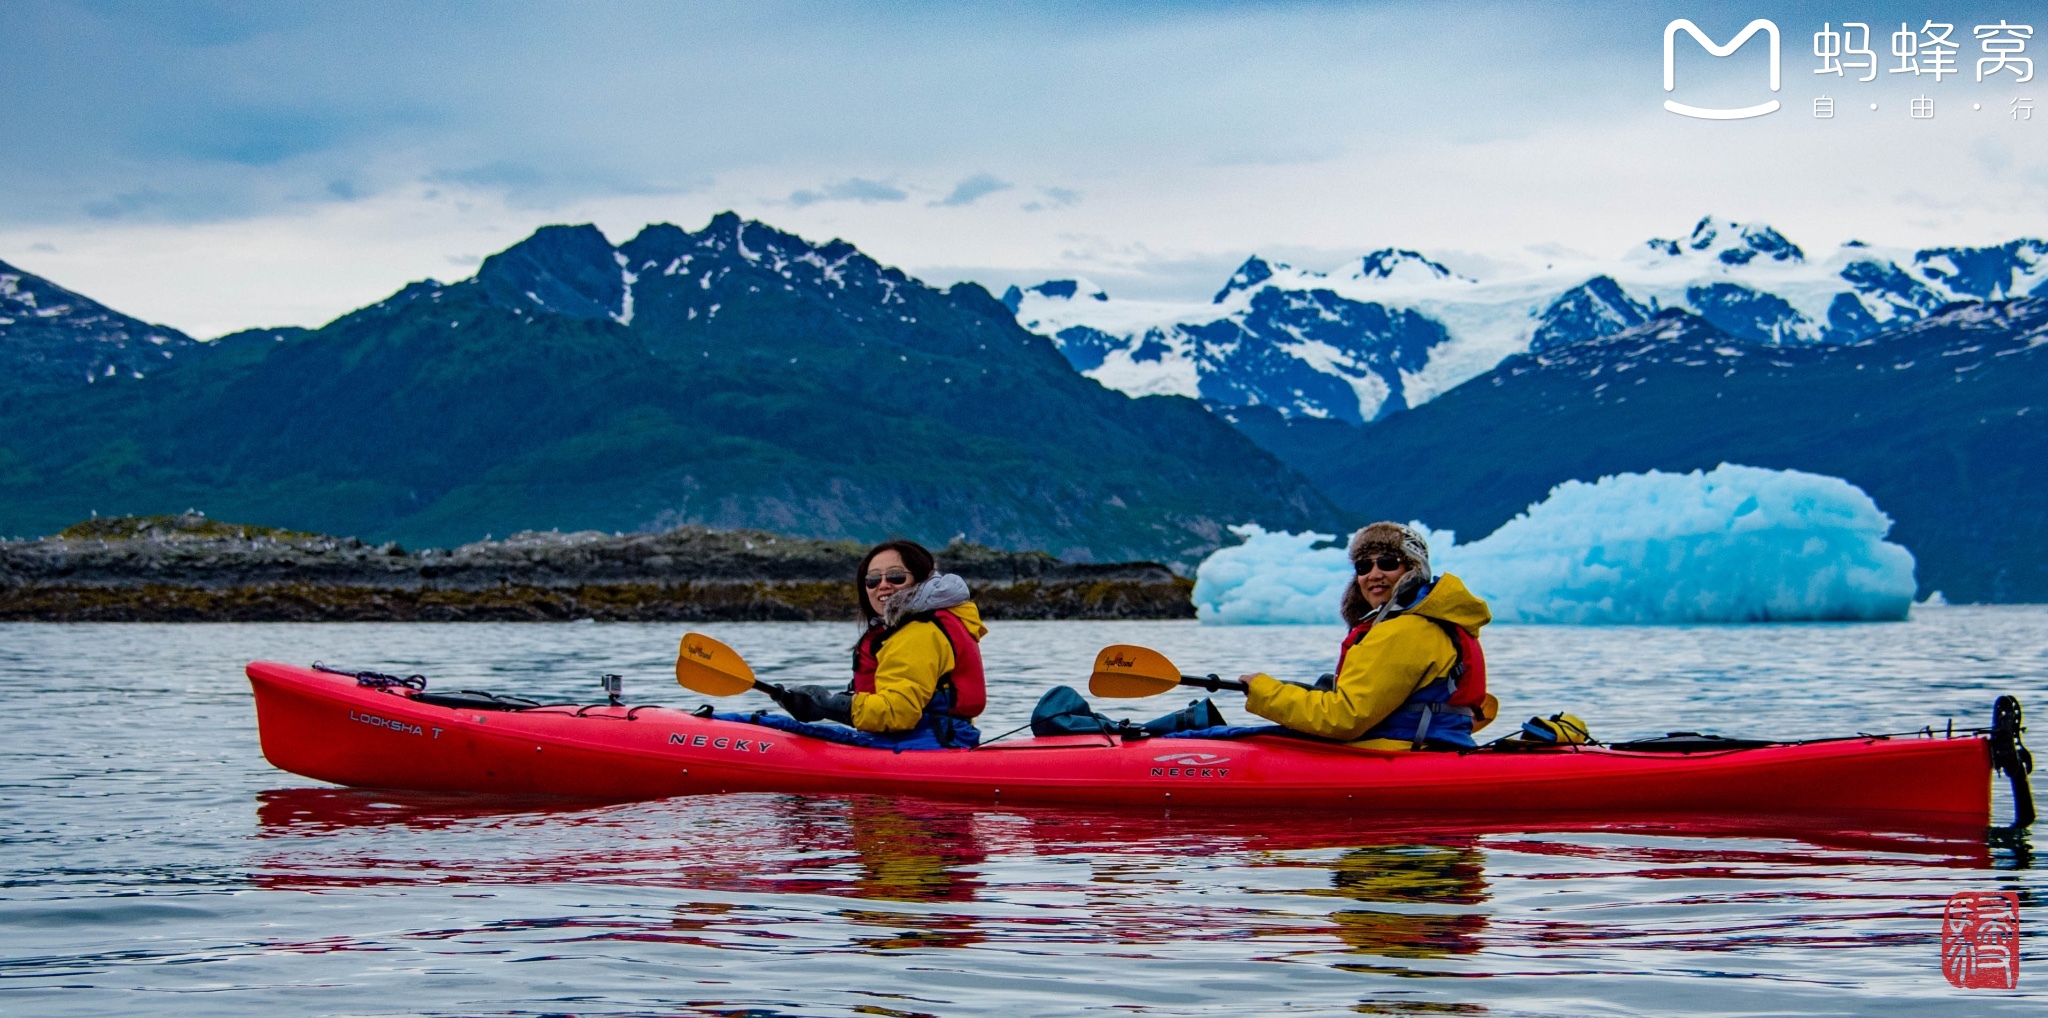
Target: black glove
(816, 703)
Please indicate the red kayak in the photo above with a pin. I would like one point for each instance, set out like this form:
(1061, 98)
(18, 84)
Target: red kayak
(324, 725)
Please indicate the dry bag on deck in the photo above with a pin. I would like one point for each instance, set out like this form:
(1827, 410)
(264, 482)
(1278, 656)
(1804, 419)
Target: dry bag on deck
(1061, 711)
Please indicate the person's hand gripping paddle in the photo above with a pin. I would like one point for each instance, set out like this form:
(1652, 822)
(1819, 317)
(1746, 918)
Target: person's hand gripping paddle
(1123, 671)
(704, 665)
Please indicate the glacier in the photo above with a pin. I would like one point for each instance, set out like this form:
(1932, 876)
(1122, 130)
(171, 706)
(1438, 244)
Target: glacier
(1730, 545)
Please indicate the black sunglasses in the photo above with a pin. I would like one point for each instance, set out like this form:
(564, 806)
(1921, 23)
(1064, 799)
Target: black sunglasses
(1386, 563)
(896, 577)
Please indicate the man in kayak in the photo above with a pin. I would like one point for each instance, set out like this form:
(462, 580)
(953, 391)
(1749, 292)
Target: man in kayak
(917, 676)
(1410, 673)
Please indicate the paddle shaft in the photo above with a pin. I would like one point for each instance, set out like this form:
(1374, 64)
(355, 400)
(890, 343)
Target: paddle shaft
(1214, 683)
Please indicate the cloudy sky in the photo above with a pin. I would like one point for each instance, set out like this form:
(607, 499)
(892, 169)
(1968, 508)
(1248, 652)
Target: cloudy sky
(219, 165)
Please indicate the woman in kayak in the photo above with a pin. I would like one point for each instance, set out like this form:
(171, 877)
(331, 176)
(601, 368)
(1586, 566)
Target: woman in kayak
(1410, 672)
(917, 677)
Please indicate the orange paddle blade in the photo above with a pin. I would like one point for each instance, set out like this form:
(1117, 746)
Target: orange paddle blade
(1123, 671)
(704, 665)
(1487, 712)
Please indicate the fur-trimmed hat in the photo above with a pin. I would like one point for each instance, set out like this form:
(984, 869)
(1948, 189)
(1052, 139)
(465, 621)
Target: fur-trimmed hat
(1385, 539)
(1393, 539)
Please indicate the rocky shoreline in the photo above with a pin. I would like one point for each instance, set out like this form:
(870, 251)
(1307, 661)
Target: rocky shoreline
(188, 568)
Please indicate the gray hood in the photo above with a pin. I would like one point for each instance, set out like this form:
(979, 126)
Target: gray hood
(943, 590)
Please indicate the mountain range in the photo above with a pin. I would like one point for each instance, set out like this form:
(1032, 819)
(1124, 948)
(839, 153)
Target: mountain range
(740, 376)
(734, 376)
(1394, 329)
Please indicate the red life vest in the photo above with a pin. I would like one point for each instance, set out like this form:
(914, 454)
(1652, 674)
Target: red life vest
(968, 685)
(1467, 675)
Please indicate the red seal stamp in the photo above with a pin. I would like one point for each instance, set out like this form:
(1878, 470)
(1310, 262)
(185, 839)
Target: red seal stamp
(1980, 940)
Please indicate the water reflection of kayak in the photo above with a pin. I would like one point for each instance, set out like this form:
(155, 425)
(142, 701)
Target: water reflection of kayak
(325, 726)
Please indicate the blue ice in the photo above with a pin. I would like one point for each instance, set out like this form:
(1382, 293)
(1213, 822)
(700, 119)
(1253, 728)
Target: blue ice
(1733, 544)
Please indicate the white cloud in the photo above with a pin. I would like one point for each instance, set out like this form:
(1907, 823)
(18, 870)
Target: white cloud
(851, 189)
(972, 189)
(1053, 198)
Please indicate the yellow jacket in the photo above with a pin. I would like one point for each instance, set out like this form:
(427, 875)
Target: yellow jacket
(1396, 658)
(907, 671)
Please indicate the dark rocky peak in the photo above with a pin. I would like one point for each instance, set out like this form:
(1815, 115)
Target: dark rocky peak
(52, 337)
(1671, 334)
(1595, 308)
(1254, 271)
(729, 249)
(270, 334)
(1247, 361)
(1888, 282)
(974, 297)
(1731, 243)
(1994, 329)
(1884, 285)
(1988, 273)
(424, 291)
(564, 270)
(1671, 325)
(1369, 330)
(1387, 263)
(1057, 289)
(1754, 315)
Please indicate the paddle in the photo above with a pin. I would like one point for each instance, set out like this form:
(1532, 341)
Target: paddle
(1123, 671)
(704, 665)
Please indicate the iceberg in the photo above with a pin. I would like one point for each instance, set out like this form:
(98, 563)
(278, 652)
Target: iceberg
(1733, 544)
(1272, 579)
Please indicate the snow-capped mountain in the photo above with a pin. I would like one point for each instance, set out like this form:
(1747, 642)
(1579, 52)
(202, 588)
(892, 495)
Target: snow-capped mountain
(50, 336)
(1394, 329)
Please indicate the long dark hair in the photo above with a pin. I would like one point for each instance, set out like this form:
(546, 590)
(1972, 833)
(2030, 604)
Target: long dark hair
(915, 558)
